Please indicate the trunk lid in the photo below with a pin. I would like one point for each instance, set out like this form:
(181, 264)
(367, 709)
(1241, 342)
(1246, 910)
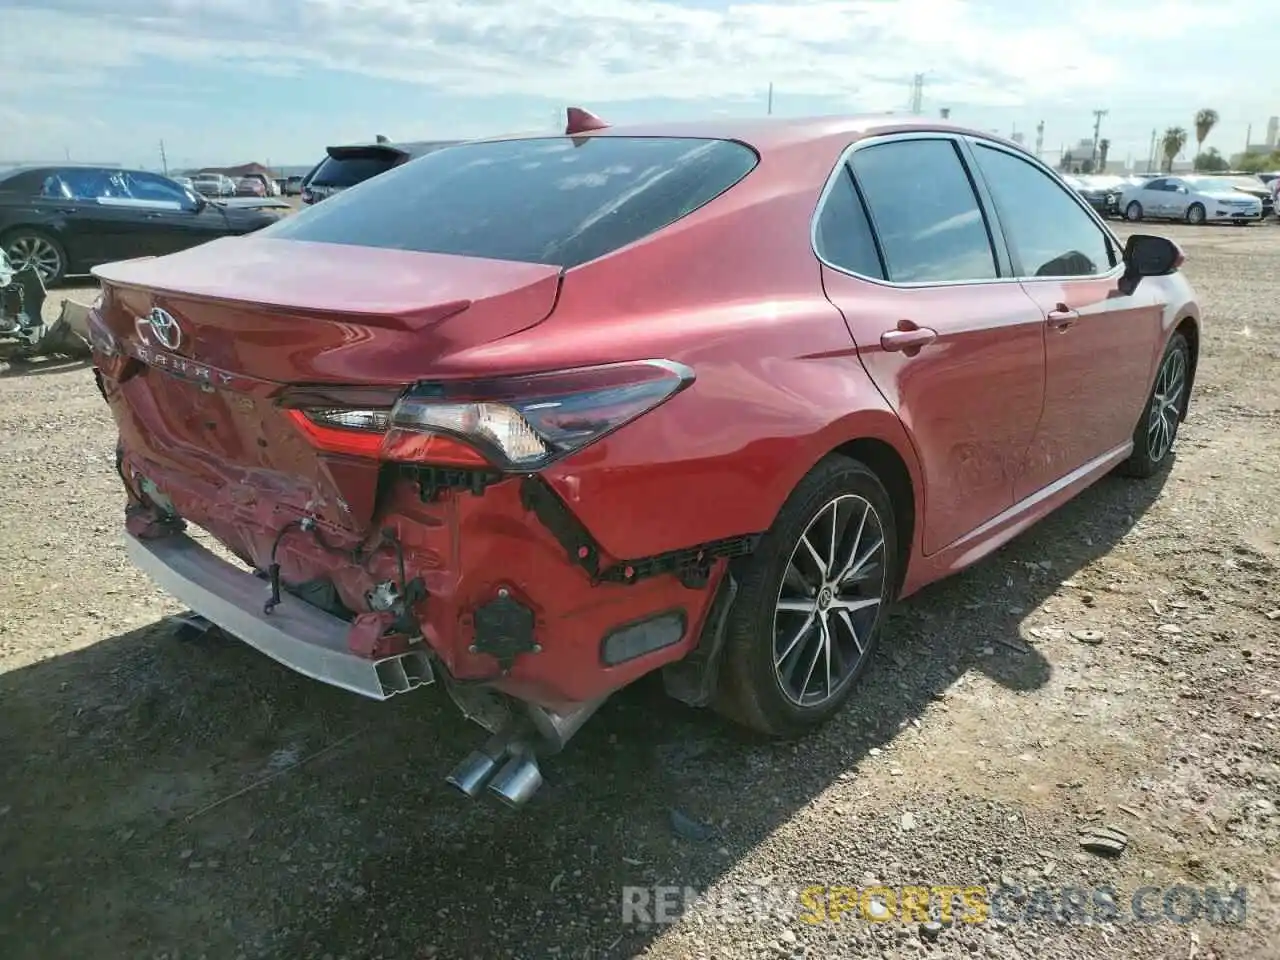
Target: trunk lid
(241, 320)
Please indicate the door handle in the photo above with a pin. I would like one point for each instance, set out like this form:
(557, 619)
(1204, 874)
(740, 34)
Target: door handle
(1062, 317)
(908, 338)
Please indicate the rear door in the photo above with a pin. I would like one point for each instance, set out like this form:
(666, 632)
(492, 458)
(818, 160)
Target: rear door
(1151, 196)
(911, 260)
(1098, 341)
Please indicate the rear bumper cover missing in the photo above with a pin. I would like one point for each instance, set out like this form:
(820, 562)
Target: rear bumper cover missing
(302, 638)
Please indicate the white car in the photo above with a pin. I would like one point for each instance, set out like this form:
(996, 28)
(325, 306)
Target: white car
(1193, 199)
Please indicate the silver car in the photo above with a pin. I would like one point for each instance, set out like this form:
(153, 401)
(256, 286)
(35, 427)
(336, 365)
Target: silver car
(1193, 199)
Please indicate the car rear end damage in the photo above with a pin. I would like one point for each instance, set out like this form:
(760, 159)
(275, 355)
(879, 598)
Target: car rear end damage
(402, 517)
(392, 533)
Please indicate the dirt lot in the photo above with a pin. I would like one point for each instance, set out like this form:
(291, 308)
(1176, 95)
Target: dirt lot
(1117, 665)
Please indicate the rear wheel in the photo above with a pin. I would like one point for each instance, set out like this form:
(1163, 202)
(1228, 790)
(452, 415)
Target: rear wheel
(1195, 213)
(1133, 211)
(1158, 426)
(813, 597)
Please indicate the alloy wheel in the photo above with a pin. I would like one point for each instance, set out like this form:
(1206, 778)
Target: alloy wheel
(829, 601)
(1196, 214)
(34, 251)
(1166, 405)
(1133, 211)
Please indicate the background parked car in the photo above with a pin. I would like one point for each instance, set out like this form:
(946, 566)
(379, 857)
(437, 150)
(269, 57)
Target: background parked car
(1254, 186)
(291, 186)
(1193, 199)
(1102, 193)
(214, 185)
(251, 187)
(345, 166)
(66, 220)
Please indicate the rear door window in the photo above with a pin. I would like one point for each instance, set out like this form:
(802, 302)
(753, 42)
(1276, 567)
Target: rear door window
(844, 236)
(552, 200)
(924, 211)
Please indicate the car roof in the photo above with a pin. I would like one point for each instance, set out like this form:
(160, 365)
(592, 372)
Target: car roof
(8, 172)
(771, 133)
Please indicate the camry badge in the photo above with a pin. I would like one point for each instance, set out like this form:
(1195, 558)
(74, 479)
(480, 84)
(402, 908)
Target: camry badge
(165, 328)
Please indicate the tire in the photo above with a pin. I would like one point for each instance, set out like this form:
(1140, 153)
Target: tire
(1133, 212)
(753, 688)
(1157, 428)
(1195, 214)
(24, 243)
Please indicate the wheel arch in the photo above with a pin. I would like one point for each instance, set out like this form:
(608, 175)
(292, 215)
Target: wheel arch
(884, 460)
(877, 439)
(1190, 330)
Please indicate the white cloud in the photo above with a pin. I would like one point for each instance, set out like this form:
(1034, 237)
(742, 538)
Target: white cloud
(611, 49)
(860, 53)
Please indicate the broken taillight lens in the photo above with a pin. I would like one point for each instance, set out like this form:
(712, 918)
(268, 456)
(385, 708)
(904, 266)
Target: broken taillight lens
(512, 423)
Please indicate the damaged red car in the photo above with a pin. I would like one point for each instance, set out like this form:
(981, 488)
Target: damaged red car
(529, 418)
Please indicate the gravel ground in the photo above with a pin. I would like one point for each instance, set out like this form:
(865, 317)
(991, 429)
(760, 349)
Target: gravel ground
(1116, 666)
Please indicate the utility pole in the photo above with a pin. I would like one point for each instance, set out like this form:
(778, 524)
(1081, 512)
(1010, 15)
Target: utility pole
(1097, 128)
(917, 93)
(1039, 138)
(1151, 157)
(164, 160)
(67, 151)
(770, 107)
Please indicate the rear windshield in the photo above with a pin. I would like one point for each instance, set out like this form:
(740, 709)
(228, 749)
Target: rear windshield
(552, 200)
(349, 171)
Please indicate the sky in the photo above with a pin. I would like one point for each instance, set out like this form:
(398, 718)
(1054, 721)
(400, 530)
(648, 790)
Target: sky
(229, 81)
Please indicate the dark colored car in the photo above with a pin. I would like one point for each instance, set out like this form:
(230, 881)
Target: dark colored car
(345, 166)
(1101, 193)
(537, 416)
(67, 220)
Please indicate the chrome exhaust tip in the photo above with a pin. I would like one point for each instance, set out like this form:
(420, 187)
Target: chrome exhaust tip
(517, 781)
(471, 775)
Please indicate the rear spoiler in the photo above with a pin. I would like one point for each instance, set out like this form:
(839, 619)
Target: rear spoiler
(368, 151)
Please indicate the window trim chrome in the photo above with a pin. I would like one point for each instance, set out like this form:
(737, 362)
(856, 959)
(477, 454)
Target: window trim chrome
(964, 143)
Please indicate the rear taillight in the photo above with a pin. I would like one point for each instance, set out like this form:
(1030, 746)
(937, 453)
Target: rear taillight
(513, 423)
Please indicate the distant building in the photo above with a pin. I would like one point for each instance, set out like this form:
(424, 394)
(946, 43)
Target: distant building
(1019, 137)
(1273, 132)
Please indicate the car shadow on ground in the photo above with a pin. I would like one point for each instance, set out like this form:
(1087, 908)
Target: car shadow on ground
(169, 797)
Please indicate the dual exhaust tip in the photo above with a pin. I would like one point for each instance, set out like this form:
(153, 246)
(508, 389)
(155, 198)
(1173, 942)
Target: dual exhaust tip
(513, 783)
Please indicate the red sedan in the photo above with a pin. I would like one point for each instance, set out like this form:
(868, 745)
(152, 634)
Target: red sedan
(536, 416)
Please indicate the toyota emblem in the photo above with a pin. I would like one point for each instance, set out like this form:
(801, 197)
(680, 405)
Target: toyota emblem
(165, 328)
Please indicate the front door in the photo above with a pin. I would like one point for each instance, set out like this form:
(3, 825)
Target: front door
(955, 349)
(175, 218)
(1098, 342)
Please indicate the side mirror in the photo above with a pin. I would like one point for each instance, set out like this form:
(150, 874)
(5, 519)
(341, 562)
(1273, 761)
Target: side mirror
(1148, 256)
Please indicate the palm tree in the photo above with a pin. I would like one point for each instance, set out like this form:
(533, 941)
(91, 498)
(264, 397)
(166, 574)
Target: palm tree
(1206, 120)
(1174, 139)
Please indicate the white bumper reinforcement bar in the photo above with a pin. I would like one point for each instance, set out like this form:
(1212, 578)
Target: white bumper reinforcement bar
(301, 637)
